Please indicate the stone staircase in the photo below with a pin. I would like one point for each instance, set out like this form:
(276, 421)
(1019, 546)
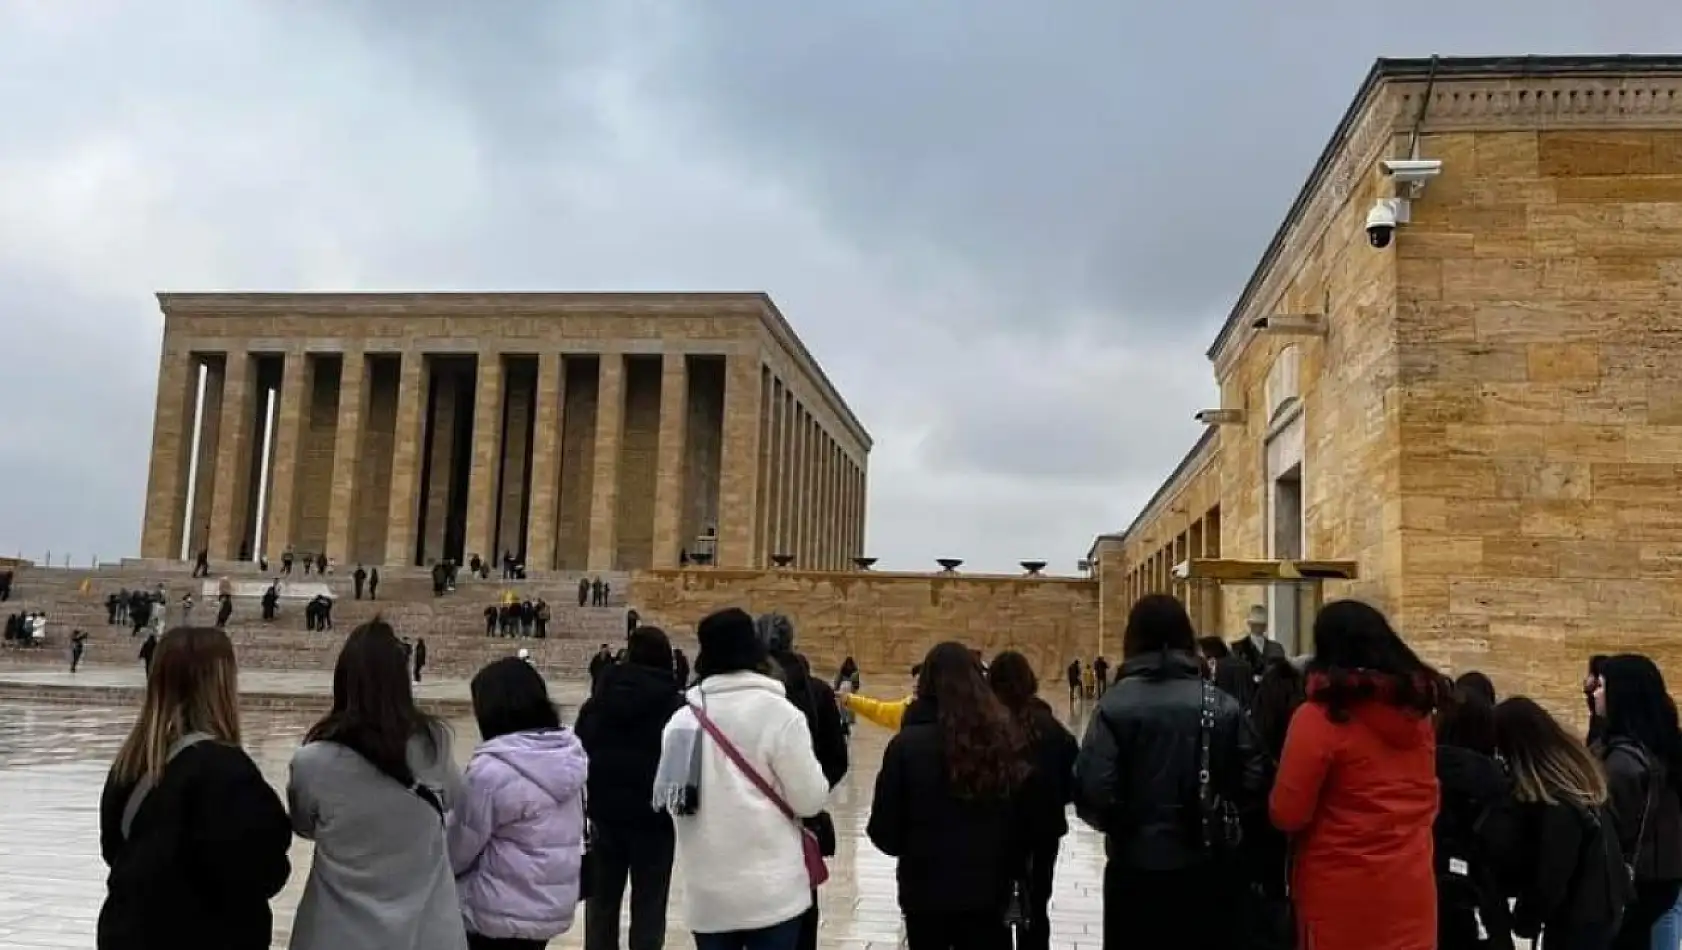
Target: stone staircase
(452, 625)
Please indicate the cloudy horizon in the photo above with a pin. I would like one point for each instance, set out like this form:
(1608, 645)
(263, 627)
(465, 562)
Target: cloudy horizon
(1007, 232)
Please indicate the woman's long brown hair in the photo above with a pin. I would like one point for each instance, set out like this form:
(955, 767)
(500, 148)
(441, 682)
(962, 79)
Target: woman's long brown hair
(986, 753)
(193, 687)
(1547, 763)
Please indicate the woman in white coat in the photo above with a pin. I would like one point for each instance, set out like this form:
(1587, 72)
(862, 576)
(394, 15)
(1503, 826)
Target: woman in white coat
(741, 850)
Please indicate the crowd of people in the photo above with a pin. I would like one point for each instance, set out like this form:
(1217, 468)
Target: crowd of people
(517, 617)
(1359, 799)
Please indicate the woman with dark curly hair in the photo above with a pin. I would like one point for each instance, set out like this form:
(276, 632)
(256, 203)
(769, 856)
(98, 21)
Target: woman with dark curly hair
(1357, 788)
(950, 804)
(1052, 750)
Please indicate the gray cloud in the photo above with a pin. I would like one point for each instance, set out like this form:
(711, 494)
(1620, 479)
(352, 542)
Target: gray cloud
(1007, 231)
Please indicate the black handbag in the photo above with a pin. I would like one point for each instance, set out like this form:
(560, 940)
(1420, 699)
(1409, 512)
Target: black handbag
(1223, 831)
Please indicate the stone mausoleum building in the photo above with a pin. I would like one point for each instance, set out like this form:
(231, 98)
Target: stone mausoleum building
(1483, 418)
(602, 432)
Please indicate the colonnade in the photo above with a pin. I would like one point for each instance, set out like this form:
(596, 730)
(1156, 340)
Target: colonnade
(609, 460)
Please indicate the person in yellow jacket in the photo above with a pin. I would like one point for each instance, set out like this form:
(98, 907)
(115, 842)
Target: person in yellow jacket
(887, 713)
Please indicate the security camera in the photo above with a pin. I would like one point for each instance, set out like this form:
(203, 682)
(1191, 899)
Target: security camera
(1413, 172)
(1386, 213)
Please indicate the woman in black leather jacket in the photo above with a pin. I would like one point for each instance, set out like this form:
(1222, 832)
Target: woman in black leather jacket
(1137, 781)
(1642, 750)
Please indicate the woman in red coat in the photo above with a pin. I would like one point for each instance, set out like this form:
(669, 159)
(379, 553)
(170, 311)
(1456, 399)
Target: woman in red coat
(1357, 789)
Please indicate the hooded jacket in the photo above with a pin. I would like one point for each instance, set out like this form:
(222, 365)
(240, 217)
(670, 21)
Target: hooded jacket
(1360, 798)
(517, 837)
(620, 727)
(740, 856)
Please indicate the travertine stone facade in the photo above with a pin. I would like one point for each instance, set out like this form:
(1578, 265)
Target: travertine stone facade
(576, 431)
(888, 621)
(1488, 425)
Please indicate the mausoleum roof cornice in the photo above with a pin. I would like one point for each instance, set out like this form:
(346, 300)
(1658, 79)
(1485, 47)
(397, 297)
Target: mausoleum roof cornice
(505, 304)
(1470, 94)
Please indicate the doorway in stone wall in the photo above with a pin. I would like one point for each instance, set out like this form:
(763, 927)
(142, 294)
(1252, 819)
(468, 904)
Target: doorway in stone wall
(1285, 620)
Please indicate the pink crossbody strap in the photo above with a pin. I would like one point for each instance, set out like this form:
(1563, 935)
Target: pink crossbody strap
(736, 758)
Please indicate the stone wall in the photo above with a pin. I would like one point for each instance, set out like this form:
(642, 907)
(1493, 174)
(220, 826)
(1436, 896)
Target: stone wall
(639, 463)
(315, 465)
(378, 436)
(1542, 430)
(887, 622)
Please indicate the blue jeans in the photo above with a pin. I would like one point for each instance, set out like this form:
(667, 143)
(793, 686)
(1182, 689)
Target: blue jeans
(781, 936)
(1667, 931)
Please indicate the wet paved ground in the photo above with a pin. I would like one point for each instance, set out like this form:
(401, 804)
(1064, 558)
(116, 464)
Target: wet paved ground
(53, 759)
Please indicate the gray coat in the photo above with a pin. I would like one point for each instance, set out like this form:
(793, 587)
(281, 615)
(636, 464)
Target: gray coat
(381, 878)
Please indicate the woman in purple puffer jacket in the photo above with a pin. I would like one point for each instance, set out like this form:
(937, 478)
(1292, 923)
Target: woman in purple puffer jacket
(517, 836)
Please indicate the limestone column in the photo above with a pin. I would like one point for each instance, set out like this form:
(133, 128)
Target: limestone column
(668, 465)
(785, 476)
(774, 485)
(604, 486)
(814, 504)
(342, 503)
(832, 505)
(862, 527)
(826, 500)
(802, 488)
(486, 463)
(172, 436)
(403, 516)
(850, 517)
(739, 462)
(233, 458)
(295, 383)
(546, 462)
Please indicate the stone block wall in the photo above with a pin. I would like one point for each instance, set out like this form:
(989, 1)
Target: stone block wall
(1538, 317)
(887, 622)
(516, 452)
(705, 448)
(446, 389)
(1349, 442)
(578, 452)
(315, 462)
(639, 463)
(378, 436)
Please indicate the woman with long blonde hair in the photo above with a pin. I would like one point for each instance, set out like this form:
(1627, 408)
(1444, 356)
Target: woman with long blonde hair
(1562, 854)
(195, 838)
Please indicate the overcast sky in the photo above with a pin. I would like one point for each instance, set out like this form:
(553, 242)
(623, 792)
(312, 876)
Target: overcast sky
(1008, 230)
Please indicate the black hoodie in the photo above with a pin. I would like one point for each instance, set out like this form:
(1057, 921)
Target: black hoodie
(620, 726)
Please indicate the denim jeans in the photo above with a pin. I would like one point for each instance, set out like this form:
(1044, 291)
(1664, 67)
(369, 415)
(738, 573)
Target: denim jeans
(1667, 932)
(775, 937)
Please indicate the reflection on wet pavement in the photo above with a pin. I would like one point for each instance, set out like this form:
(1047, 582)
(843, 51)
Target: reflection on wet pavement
(53, 760)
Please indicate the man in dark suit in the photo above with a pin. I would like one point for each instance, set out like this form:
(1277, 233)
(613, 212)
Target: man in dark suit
(1256, 649)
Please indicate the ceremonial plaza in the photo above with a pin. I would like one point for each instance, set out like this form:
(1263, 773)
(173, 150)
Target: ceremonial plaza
(1452, 388)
